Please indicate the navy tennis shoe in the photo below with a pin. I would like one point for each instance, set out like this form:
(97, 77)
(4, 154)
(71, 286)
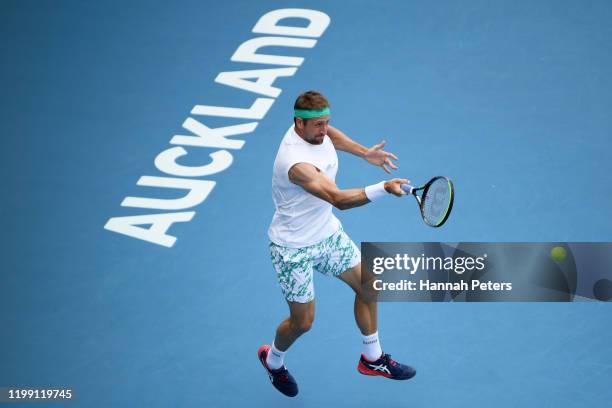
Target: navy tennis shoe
(280, 378)
(385, 366)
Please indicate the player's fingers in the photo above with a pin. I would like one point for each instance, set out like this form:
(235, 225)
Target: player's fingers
(385, 168)
(391, 155)
(398, 184)
(380, 145)
(398, 190)
(390, 163)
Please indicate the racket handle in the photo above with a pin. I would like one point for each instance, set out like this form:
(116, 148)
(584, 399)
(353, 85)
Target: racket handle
(407, 188)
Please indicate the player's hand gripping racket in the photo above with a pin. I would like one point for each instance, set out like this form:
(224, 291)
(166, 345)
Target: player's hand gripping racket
(435, 199)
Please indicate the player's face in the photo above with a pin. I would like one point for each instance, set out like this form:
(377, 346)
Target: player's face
(315, 129)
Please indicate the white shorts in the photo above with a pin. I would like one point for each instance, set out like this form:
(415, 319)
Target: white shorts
(294, 266)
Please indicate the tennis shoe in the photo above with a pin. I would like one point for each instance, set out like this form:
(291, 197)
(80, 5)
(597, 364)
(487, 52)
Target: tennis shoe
(281, 379)
(385, 366)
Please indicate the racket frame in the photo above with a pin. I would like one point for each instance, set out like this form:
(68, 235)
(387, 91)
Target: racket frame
(425, 188)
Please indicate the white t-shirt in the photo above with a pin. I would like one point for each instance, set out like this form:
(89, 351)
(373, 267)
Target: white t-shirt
(301, 219)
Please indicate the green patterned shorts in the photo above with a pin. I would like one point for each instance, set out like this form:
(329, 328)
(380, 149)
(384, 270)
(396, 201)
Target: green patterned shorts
(294, 266)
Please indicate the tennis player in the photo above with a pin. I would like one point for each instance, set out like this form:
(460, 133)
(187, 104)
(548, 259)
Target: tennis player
(306, 236)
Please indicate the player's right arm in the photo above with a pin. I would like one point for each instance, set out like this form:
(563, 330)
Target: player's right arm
(318, 184)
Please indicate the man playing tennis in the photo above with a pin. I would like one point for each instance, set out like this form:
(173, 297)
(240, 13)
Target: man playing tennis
(306, 236)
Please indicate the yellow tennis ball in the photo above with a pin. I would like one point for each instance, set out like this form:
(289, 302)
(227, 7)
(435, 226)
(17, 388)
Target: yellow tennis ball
(558, 253)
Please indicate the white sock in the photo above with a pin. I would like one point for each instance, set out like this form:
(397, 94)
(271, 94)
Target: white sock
(275, 358)
(371, 347)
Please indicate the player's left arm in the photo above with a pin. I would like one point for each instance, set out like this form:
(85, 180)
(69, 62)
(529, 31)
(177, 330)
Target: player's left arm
(374, 155)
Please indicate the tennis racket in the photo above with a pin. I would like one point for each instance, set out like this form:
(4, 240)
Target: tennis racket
(435, 199)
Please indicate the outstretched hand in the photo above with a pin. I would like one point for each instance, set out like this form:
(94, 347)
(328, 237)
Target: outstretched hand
(377, 156)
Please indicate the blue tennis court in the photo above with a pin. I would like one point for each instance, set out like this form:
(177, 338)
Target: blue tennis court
(510, 99)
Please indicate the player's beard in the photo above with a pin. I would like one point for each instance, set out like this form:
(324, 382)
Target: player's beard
(317, 140)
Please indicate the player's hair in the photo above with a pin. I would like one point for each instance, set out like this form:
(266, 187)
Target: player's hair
(310, 100)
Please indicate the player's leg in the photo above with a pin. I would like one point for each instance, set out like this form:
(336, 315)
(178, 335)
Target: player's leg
(341, 258)
(272, 356)
(294, 269)
(366, 311)
(344, 263)
(372, 361)
(365, 307)
(301, 316)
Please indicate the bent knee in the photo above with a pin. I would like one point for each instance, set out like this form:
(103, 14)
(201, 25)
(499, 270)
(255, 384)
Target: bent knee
(302, 325)
(367, 292)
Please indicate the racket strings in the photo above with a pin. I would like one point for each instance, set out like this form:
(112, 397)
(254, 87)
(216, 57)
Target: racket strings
(435, 202)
